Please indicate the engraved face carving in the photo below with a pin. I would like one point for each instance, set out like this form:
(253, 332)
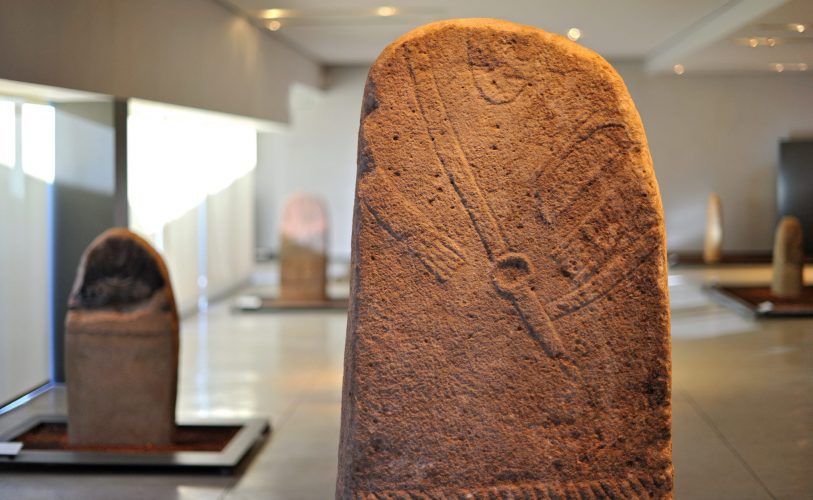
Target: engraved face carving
(496, 69)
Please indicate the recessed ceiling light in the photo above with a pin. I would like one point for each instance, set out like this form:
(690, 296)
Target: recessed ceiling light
(275, 13)
(679, 69)
(780, 67)
(274, 25)
(759, 41)
(797, 27)
(386, 11)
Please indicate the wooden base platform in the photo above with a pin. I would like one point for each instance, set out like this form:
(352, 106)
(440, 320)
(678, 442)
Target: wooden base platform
(202, 446)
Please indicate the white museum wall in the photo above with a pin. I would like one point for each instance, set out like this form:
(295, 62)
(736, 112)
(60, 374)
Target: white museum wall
(25, 209)
(316, 154)
(720, 133)
(24, 292)
(230, 237)
(705, 133)
(190, 189)
(214, 239)
(178, 242)
(187, 52)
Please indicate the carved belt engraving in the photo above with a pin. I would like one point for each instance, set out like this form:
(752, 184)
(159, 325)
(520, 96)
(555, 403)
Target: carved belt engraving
(630, 487)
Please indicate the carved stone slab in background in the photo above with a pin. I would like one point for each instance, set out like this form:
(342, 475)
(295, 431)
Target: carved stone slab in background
(713, 242)
(303, 259)
(788, 259)
(509, 325)
(121, 346)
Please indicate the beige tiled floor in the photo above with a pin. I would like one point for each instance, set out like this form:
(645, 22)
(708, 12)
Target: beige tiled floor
(743, 404)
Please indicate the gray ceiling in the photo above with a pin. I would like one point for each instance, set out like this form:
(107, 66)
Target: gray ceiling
(702, 35)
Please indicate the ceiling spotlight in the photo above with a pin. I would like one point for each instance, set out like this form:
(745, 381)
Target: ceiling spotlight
(759, 41)
(386, 11)
(574, 34)
(678, 69)
(780, 67)
(799, 28)
(275, 13)
(274, 25)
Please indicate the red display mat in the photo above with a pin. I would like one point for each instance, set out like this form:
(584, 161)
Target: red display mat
(54, 436)
(202, 445)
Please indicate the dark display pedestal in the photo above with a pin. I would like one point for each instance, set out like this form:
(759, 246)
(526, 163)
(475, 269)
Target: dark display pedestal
(757, 301)
(219, 446)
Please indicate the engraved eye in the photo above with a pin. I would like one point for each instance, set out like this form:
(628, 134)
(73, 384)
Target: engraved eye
(496, 71)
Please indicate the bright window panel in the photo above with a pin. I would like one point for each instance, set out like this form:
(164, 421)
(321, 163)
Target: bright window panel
(177, 157)
(38, 141)
(8, 139)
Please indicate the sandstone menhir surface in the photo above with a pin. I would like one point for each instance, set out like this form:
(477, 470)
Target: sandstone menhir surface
(121, 346)
(509, 329)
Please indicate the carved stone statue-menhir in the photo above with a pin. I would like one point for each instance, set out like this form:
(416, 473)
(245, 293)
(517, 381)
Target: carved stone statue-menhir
(713, 242)
(121, 346)
(303, 253)
(509, 325)
(788, 259)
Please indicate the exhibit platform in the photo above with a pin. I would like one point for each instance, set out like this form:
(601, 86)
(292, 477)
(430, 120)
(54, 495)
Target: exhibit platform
(728, 259)
(260, 303)
(757, 301)
(33, 435)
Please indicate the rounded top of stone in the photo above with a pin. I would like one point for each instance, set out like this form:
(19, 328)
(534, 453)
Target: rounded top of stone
(788, 236)
(790, 223)
(119, 270)
(485, 23)
(473, 22)
(577, 55)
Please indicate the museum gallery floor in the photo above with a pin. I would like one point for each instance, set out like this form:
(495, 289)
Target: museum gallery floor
(742, 402)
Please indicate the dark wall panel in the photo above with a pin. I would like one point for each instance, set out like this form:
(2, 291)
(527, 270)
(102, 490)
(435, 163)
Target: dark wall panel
(79, 216)
(795, 186)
